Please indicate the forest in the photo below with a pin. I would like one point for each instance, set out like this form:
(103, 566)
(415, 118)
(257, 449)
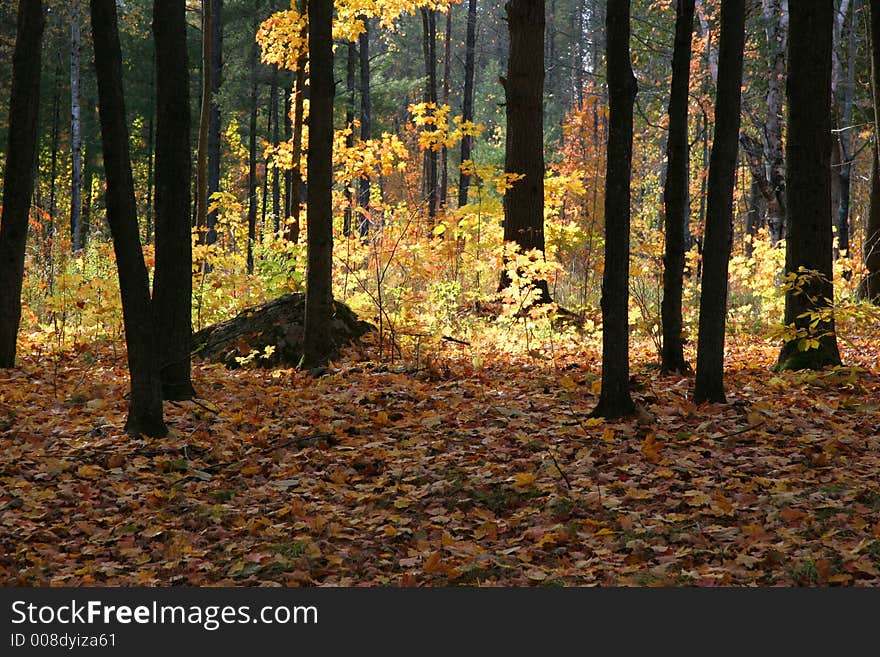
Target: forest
(440, 292)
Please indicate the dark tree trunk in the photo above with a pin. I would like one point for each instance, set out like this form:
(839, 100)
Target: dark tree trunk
(709, 382)
(145, 402)
(366, 120)
(615, 400)
(776, 17)
(318, 345)
(871, 285)
(18, 176)
(204, 125)
(467, 106)
(252, 152)
(808, 185)
(276, 179)
(845, 138)
(75, 130)
(214, 118)
(444, 153)
(524, 144)
(148, 207)
(429, 47)
(350, 80)
(296, 152)
(675, 192)
(172, 281)
(288, 173)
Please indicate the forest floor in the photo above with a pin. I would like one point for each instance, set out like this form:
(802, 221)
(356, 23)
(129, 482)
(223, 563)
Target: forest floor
(444, 474)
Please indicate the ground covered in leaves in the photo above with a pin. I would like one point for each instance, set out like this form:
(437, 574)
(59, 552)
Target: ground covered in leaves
(442, 473)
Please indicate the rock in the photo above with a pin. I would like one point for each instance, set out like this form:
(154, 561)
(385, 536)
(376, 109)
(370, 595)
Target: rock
(274, 330)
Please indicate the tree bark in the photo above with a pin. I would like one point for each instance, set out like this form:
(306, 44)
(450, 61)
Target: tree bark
(808, 185)
(675, 192)
(276, 178)
(296, 152)
(429, 47)
(444, 153)
(776, 18)
(467, 106)
(350, 80)
(18, 175)
(145, 402)
(172, 281)
(615, 400)
(870, 286)
(318, 346)
(75, 130)
(204, 125)
(524, 143)
(214, 117)
(366, 120)
(252, 151)
(709, 380)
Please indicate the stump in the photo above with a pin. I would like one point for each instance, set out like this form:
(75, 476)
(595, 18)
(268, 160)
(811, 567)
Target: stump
(277, 324)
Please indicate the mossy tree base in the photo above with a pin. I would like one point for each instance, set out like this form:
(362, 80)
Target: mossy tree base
(793, 359)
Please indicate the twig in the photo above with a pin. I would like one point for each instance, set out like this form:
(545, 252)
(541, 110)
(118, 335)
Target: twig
(725, 436)
(561, 471)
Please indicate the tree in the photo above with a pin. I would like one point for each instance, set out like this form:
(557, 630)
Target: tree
(675, 193)
(172, 282)
(467, 103)
(429, 51)
(18, 176)
(75, 132)
(870, 287)
(524, 143)
(808, 249)
(615, 400)
(215, 76)
(145, 402)
(317, 345)
(709, 380)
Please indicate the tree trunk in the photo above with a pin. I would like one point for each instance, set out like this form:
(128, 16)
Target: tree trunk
(524, 143)
(366, 121)
(776, 18)
(18, 176)
(870, 286)
(675, 192)
(615, 400)
(75, 130)
(709, 381)
(204, 124)
(214, 118)
(351, 71)
(252, 151)
(844, 140)
(808, 249)
(318, 345)
(276, 177)
(467, 108)
(444, 153)
(145, 402)
(148, 208)
(296, 182)
(287, 210)
(429, 47)
(172, 282)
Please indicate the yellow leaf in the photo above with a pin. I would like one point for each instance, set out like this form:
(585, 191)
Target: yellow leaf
(523, 479)
(608, 435)
(568, 383)
(88, 471)
(596, 386)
